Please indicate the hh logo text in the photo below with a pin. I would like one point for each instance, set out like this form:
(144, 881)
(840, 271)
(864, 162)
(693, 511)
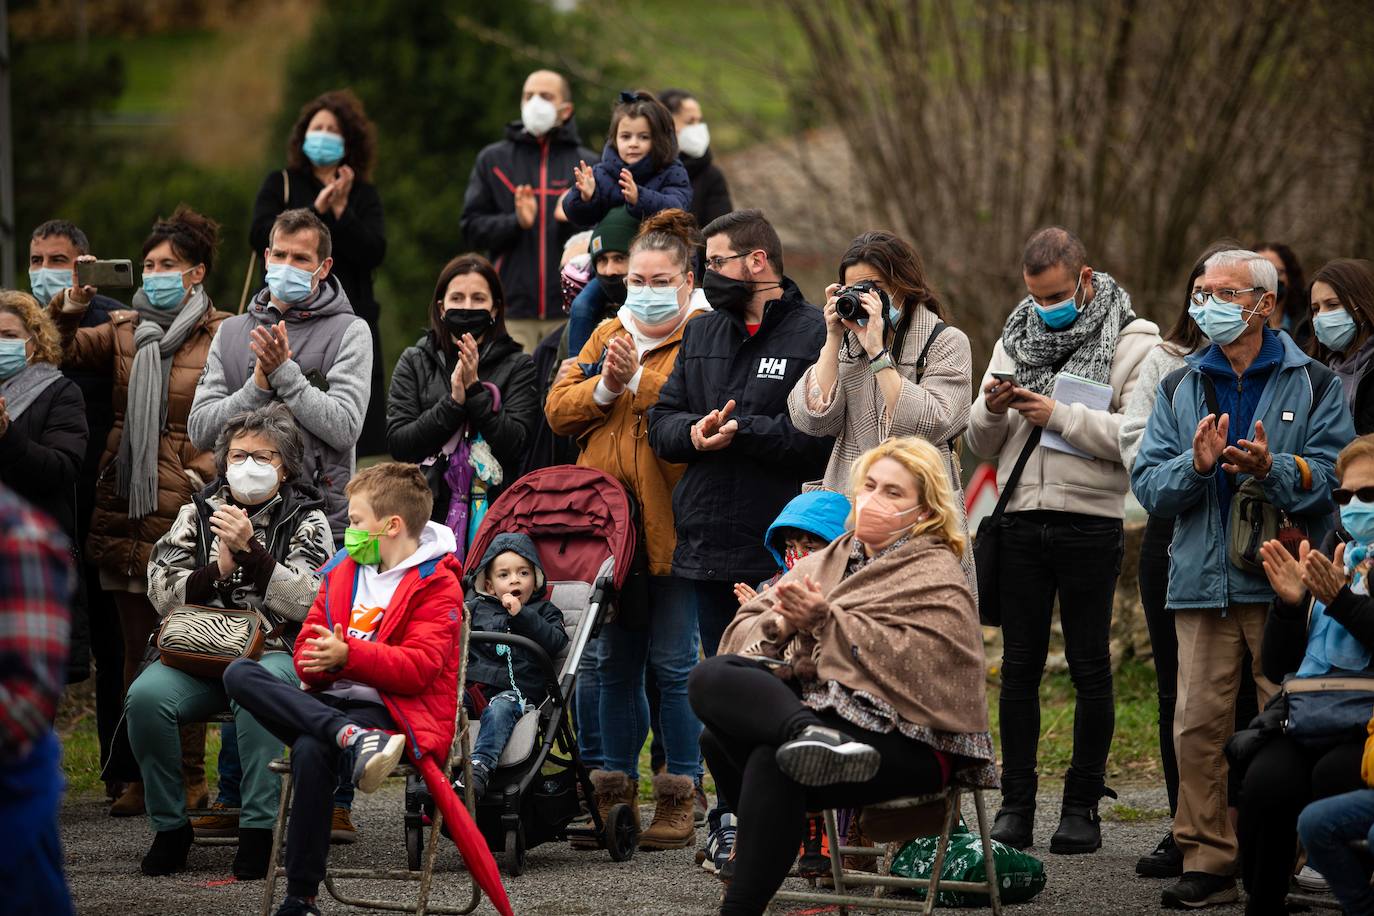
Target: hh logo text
(772, 368)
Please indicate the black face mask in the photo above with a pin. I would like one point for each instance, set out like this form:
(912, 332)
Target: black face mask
(613, 287)
(476, 322)
(728, 294)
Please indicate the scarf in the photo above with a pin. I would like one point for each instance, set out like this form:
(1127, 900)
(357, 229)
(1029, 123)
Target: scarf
(157, 337)
(1085, 348)
(23, 388)
(1351, 367)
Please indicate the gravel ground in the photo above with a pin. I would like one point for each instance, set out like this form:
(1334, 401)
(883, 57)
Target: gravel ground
(103, 853)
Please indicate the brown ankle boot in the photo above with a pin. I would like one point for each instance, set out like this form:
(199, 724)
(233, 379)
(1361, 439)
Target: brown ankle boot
(193, 766)
(130, 803)
(612, 788)
(674, 809)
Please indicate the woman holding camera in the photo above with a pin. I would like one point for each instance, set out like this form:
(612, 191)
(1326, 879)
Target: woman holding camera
(891, 366)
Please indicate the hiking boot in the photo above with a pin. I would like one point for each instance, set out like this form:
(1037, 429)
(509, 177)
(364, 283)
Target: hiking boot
(377, 752)
(341, 829)
(1079, 831)
(254, 854)
(130, 804)
(719, 845)
(673, 826)
(168, 852)
(854, 836)
(1165, 862)
(814, 859)
(821, 756)
(225, 823)
(611, 788)
(297, 906)
(1013, 828)
(1197, 889)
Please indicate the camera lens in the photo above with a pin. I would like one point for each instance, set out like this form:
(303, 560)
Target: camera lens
(848, 306)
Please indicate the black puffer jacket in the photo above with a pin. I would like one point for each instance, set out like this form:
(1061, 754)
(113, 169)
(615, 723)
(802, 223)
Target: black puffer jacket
(710, 192)
(42, 451)
(421, 415)
(527, 259)
(539, 620)
(728, 498)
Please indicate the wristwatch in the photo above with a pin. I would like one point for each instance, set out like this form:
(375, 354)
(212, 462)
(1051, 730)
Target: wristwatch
(880, 362)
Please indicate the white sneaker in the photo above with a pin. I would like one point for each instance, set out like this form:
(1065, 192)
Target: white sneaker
(822, 756)
(378, 753)
(1309, 879)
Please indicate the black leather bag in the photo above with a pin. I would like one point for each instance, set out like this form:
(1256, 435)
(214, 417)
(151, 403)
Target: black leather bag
(987, 542)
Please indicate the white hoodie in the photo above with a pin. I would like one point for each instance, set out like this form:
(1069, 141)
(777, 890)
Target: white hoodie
(643, 344)
(373, 597)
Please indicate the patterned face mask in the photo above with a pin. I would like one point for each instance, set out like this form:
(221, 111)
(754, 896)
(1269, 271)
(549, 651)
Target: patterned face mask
(791, 555)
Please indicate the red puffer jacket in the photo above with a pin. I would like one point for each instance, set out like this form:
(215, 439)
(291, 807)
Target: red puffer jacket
(413, 661)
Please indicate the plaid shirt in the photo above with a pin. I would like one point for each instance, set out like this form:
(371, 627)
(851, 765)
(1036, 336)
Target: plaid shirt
(35, 596)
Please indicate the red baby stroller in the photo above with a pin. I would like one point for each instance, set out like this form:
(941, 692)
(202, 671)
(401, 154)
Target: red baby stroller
(582, 521)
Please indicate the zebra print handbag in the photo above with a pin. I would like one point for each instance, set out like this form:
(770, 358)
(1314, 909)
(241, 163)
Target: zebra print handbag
(202, 641)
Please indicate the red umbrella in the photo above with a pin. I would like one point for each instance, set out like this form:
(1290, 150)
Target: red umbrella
(471, 846)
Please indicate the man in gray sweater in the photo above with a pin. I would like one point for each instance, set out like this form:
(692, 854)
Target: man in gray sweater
(299, 343)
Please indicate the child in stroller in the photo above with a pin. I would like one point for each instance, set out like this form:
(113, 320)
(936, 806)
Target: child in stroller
(505, 594)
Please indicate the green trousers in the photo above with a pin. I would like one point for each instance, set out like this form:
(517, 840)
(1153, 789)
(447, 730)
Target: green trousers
(160, 701)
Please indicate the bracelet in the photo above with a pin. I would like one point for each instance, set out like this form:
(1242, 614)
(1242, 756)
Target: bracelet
(881, 353)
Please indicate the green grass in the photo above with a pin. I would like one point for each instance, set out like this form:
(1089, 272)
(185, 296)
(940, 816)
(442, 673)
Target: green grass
(81, 753)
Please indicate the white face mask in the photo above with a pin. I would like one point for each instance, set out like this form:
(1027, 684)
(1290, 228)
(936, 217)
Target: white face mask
(694, 139)
(539, 116)
(252, 483)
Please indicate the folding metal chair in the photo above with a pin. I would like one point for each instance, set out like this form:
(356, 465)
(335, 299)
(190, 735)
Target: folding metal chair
(848, 881)
(425, 876)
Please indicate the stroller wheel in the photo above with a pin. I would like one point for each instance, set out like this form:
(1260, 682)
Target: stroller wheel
(622, 832)
(514, 855)
(415, 846)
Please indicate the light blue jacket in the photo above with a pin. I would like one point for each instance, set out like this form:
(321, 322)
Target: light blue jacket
(1304, 413)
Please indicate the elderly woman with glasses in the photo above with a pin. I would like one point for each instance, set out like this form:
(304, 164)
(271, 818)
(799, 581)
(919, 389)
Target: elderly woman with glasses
(253, 539)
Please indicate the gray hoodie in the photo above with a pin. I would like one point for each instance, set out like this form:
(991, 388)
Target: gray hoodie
(326, 384)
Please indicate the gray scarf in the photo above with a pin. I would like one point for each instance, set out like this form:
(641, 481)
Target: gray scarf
(23, 388)
(157, 337)
(1085, 348)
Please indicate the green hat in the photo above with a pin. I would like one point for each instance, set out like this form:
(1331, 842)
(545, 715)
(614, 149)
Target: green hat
(613, 233)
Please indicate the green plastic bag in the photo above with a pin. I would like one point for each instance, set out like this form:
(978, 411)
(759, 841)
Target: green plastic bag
(1020, 875)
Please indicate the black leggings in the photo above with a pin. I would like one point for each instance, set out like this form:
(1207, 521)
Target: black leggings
(748, 713)
(1280, 781)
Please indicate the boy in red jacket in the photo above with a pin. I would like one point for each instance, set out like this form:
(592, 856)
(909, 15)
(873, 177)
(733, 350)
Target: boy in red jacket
(377, 658)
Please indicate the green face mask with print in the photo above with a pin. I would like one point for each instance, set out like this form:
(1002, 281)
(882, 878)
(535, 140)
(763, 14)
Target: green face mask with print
(363, 546)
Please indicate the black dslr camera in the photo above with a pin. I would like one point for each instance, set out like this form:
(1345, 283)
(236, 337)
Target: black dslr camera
(849, 305)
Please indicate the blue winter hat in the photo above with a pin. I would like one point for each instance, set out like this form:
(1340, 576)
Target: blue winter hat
(823, 513)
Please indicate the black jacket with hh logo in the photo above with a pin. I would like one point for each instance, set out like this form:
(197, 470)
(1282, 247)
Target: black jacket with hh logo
(728, 498)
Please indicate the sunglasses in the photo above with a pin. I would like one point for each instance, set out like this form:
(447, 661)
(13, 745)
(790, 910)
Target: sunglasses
(1343, 496)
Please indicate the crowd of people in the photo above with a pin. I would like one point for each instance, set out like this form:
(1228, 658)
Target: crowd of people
(796, 471)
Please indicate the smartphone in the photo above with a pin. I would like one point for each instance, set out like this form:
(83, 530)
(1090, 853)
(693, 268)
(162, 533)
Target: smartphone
(117, 274)
(1004, 376)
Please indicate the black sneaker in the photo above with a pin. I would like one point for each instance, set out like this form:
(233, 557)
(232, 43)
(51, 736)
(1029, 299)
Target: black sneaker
(1197, 889)
(822, 756)
(377, 753)
(1165, 862)
(814, 860)
(480, 778)
(297, 906)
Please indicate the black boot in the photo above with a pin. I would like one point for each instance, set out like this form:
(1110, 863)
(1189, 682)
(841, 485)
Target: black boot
(1080, 827)
(1015, 821)
(168, 852)
(254, 854)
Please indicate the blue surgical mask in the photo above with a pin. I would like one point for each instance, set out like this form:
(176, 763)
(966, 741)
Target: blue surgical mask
(13, 356)
(652, 306)
(1335, 329)
(1222, 322)
(894, 315)
(164, 290)
(323, 147)
(1358, 519)
(1059, 316)
(46, 282)
(288, 283)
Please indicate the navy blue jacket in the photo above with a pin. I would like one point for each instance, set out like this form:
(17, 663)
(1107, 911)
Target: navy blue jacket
(539, 620)
(727, 499)
(658, 191)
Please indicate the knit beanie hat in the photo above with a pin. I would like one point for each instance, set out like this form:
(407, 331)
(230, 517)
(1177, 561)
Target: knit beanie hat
(613, 233)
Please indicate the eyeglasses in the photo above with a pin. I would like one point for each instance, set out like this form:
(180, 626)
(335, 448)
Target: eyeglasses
(261, 456)
(718, 262)
(1343, 496)
(658, 283)
(1200, 296)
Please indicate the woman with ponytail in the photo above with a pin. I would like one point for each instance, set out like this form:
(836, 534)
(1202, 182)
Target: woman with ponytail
(154, 354)
(604, 401)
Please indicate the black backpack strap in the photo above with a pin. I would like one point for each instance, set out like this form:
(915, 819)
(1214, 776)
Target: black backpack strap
(1209, 394)
(925, 350)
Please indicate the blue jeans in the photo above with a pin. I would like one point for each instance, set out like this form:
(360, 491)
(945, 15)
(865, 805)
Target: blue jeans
(231, 773)
(498, 721)
(668, 643)
(588, 705)
(1326, 827)
(584, 315)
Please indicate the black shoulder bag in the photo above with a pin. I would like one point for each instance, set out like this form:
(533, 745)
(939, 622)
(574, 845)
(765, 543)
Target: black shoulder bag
(987, 544)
